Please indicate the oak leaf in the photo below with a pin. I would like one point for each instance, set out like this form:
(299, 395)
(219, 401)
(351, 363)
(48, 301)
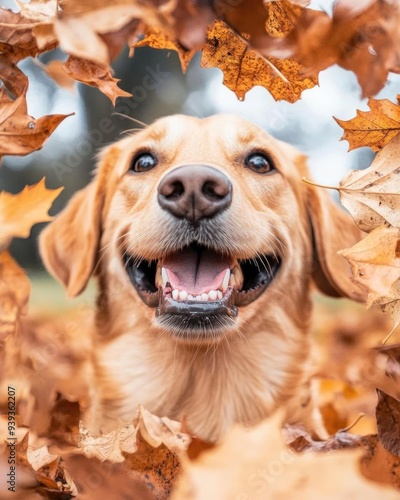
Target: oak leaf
(95, 75)
(244, 68)
(374, 128)
(19, 212)
(14, 294)
(20, 133)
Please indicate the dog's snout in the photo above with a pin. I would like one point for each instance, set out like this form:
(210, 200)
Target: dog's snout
(195, 192)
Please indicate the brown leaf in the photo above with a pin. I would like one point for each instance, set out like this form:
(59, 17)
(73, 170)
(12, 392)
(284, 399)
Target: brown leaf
(95, 75)
(18, 42)
(19, 212)
(48, 469)
(55, 70)
(20, 133)
(388, 420)
(375, 262)
(95, 479)
(190, 23)
(244, 68)
(255, 463)
(14, 294)
(378, 464)
(374, 128)
(83, 31)
(363, 39)
(158, 40)
(372, 196)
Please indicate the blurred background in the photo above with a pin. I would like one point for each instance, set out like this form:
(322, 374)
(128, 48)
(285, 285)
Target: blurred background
(68, 157)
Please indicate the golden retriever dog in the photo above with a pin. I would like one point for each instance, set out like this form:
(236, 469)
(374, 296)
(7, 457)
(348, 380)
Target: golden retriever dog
(206, 244)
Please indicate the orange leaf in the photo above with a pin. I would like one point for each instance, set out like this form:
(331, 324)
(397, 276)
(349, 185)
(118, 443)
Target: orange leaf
(373, 128)
(95, 75)
(14, 294)
(158, 40)
(20, 133)
(244, 69)
(19, 212)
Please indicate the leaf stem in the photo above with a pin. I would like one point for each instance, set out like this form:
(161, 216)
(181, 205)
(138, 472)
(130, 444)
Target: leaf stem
(312, 183)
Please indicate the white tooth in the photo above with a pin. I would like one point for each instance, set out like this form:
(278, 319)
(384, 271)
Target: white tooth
(204, 296)
(157, 279)
(219, 295)
(191, 297)
(198, 297)
(213, 295)
(232, 281)
(164, 276)
(183, 295)
(225, 281)
(175, 294)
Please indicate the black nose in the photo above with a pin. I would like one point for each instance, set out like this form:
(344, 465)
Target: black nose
(195, 192)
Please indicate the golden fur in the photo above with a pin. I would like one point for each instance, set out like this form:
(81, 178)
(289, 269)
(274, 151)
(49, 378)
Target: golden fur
(262, 361)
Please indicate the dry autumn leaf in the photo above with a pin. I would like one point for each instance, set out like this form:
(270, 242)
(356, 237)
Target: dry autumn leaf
(95, 75)
(20, 133)
(244, 69)
(363, 39)
(158, 40)
(55, 70)
(372, 196)
(388, 420)
(374, 128)
(48, 469)
(19, 212)
(375, 263)
(255, 464)
(14, 294)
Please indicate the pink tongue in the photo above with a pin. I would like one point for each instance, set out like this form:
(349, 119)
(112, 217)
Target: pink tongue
(196, 272)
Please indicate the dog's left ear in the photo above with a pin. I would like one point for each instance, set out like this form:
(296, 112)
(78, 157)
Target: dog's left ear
(333, 230)
(69, 245)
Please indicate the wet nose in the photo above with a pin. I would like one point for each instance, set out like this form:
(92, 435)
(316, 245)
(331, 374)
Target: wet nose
(195, 192)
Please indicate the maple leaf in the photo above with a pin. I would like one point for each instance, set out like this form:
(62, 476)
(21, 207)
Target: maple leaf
(95, 75)
(375, 263)
(374, 128)
(19, 212)
(244, 68)
(20, 133)
(14, 294)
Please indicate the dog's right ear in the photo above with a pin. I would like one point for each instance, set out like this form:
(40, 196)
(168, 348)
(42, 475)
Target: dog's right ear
(69, 245)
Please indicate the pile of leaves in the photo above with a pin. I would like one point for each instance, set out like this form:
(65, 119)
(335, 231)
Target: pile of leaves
(281, 45)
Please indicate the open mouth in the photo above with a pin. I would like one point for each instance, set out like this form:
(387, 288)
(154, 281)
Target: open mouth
(198, 290)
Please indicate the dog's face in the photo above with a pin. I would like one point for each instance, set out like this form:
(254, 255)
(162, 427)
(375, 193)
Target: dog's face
(200, 225)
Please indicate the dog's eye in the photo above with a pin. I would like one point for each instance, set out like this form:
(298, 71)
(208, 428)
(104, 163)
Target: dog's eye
(259, 163)
(143, 162)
